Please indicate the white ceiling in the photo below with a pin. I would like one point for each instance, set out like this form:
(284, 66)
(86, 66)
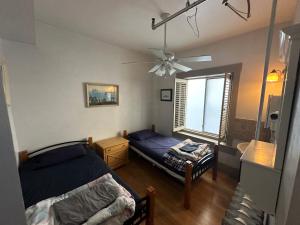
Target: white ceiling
(127, 23)
(16, 20)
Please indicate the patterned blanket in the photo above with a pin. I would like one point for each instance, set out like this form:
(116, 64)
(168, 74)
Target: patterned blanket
(122, 206)
(174, 162)
(177, 158)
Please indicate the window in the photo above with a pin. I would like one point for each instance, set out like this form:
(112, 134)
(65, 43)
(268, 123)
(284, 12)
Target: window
(202, 105)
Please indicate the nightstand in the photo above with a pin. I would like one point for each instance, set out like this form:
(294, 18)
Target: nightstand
(114, 151)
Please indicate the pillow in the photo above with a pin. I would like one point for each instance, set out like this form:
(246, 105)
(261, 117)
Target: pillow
(142, 135)
(58, 155)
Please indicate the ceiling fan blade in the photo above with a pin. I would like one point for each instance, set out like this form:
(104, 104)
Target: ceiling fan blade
(202, 58)
(181, 67)
(135, 62)
(156, 67)
(158, 53)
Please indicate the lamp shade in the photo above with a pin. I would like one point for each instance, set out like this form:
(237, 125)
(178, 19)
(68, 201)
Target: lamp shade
(274, 76)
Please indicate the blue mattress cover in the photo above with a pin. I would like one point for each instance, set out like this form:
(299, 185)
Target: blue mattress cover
(51, 181)
(155, 147)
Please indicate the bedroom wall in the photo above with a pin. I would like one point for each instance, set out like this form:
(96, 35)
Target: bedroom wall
(11, 204)
(248, 49)
(47, 93)
(297, 15)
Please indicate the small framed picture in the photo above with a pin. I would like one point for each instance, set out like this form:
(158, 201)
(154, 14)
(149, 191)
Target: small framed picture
(101, 94)
(166, 95)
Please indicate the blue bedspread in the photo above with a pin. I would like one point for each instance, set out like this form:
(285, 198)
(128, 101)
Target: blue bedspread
(55, 180)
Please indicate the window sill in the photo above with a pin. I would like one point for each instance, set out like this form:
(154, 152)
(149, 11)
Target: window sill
(198, 136)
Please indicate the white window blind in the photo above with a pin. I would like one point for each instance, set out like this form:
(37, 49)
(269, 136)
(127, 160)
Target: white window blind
(180, 104)
(225, 112)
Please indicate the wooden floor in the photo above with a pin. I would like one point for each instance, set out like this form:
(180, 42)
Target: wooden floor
(209, 198)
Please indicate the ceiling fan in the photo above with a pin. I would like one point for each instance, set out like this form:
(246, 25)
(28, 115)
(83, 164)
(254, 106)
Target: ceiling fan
(167, 63)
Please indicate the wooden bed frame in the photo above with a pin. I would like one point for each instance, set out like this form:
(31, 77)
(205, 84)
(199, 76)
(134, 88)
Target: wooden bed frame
(148, 202)
(189, 173)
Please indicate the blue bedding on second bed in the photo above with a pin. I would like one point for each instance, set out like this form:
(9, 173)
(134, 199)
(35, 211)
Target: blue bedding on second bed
(40, 184)
(157, 145)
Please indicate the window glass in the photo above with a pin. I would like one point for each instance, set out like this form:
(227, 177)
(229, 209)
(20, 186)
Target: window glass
(195, 104)
(213, 105)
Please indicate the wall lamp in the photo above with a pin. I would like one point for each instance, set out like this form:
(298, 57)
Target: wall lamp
(274, 76)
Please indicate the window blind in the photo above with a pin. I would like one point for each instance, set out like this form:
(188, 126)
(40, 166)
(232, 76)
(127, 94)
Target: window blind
(225, 111)
(180, 104)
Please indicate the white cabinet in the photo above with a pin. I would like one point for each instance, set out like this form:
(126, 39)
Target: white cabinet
(259, 178)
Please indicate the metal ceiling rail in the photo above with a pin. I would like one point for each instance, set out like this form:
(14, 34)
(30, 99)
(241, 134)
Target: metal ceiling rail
(188, 7)
(194, 4)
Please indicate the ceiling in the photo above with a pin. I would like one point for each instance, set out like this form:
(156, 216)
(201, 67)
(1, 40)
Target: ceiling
(16, 21)
(127, 23)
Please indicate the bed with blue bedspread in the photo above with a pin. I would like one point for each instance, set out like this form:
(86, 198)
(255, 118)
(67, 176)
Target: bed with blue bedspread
(154, 146)
(63, 169)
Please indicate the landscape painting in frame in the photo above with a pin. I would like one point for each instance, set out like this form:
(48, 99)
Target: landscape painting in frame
(102, 94)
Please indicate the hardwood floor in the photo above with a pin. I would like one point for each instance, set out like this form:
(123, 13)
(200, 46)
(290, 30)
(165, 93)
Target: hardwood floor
(209, 198)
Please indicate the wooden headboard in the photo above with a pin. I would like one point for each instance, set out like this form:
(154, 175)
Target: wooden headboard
(24, 155)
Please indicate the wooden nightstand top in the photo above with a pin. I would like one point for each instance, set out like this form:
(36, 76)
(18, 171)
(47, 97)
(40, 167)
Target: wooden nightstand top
(111, 142)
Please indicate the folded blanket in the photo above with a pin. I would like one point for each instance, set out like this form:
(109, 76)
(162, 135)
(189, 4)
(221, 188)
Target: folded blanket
(105, 202)
(174, 162)
(189, 148)
(196, 155)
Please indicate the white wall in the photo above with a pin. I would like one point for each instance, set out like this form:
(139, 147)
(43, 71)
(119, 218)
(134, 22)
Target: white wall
(6, 86)
(297, 15)
(248, 49)
(47, 91)
(11, 204)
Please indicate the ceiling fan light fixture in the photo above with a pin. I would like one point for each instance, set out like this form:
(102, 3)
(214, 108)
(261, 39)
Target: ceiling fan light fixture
(161, 71)
(167, 63)
(172, 71)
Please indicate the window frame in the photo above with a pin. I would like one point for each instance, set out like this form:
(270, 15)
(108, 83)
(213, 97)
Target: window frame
(203, 132)
(235, 70)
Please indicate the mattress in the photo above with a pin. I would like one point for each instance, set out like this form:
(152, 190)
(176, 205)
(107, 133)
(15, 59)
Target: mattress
(44, 183)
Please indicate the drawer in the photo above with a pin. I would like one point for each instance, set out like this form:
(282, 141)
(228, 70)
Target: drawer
(117, 161)
(117, 148)
(121, 154)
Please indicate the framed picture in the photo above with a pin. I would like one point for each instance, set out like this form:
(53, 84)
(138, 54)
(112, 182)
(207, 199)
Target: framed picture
(166, 95)
(101, 94)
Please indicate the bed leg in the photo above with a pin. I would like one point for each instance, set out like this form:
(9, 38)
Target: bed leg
(125, 134)
(188, 185)
(90, 141)
(215, 168)
(150, 205)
